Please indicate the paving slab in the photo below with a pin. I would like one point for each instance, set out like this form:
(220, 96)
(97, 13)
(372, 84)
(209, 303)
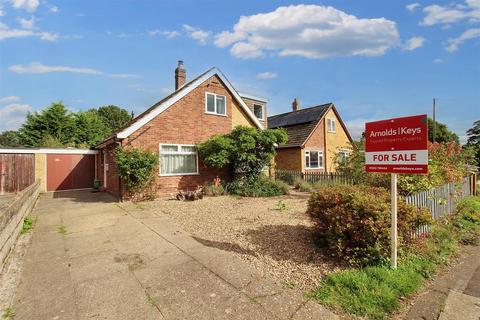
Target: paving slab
(109, 263)
(461, 306)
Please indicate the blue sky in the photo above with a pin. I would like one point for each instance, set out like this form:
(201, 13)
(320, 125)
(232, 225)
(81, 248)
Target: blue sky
(373, 59)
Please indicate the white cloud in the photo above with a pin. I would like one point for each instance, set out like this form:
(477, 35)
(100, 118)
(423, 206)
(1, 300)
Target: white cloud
(167, 34)
(9, 99)
(454, 43)
(310, 31)
(357, 126)
(436, 14)
(413, 43)
(201, 36)
(39, 68)
(28, 5)
(13, 115)
(437, 61)
(7, 33)
(267, 75)
(54, 9)
(28, 24)
(2, 13)
(412, 6)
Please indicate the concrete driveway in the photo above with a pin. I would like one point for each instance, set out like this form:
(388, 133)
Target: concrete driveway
(92, 258)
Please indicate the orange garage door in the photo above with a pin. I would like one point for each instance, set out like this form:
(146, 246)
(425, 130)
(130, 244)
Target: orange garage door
(70, 171)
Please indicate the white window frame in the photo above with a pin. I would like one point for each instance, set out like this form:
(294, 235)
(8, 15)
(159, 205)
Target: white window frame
(331, 121)
(215, 104)
(263, 111)
(320, 163)
(176, 153)
(345, 152)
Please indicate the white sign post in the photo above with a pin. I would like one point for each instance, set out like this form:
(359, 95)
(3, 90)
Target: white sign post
(394, 221)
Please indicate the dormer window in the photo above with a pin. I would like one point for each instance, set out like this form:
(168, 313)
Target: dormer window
(215, 104)
(331, 125)
(258, 111)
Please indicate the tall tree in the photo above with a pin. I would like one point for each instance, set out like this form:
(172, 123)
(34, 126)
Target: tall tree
(89, 129)
(54, 122)
(442, 133)
(114, 117)
(474, 140)
(10, 139)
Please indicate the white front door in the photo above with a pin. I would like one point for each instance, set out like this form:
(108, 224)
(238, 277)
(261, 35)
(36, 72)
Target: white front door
(105, 169)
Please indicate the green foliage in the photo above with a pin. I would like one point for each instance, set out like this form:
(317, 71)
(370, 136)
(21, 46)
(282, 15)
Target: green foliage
(55, 126)
(442, 133)
(281, 206)
(137, 168)
(474, 140)
(10, 139)
(8, 313)
(214, 190)
(374, 292)
(52, 123)
(467, 220)
(354, 221)
(260, 186)
(248, 150)
(114, 117)
(90, 129)
(27, 225)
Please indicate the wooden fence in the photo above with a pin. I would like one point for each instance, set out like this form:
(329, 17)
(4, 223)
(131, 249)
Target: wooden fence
(440, 201)
(321, 178)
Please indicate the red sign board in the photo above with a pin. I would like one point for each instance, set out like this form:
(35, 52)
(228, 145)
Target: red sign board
(397, 145)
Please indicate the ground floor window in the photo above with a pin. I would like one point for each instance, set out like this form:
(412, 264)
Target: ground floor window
(178, 159)
(343, 156)
(314, 159)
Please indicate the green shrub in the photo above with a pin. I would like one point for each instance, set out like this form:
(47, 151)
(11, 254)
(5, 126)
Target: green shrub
(259, 187)
(467, 220)
(354, 221)
(137, 168)
(214, 190)
(305, 187)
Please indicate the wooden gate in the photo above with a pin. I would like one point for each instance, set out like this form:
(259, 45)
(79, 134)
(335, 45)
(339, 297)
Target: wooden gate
(17, 171)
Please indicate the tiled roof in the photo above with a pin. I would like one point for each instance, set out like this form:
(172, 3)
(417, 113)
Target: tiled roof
(298, 124)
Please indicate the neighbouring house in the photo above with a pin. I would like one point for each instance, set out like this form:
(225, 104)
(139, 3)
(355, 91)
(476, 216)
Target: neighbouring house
(172, 127)
(317, 137)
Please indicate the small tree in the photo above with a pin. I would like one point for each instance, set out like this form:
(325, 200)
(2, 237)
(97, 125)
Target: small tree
(137, 169)
(248, 150)
(473, 142)
(114, 117)
(89, 129)
(442, 133)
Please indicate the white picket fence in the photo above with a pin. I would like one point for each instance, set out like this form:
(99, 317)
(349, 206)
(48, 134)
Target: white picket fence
(440, 201)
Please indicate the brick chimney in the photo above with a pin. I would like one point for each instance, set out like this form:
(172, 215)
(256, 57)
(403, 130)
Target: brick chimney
(295, 104)
(180, 75)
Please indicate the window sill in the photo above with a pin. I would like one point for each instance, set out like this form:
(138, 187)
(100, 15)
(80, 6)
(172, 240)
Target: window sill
(314, 168)
(216, 114)
(332, 131)
(178, 174)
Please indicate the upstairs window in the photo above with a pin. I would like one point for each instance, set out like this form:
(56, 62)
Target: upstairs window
(215, 104)
(177, 159)
(258, 111)
(331, 125)
(314, 159)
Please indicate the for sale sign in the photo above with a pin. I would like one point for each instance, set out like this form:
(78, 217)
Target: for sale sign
(397, 145)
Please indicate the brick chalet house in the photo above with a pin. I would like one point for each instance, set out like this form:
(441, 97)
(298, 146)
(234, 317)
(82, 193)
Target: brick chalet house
(195, 111)
(316, 137)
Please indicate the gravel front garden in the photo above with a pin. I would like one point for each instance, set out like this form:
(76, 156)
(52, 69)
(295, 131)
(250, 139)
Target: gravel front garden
(274, 234)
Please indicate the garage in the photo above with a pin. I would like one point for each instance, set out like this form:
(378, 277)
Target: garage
(57, 169)
(70, 171)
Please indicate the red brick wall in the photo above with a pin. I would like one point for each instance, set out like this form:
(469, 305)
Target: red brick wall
(288, 159)
(185, 122)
